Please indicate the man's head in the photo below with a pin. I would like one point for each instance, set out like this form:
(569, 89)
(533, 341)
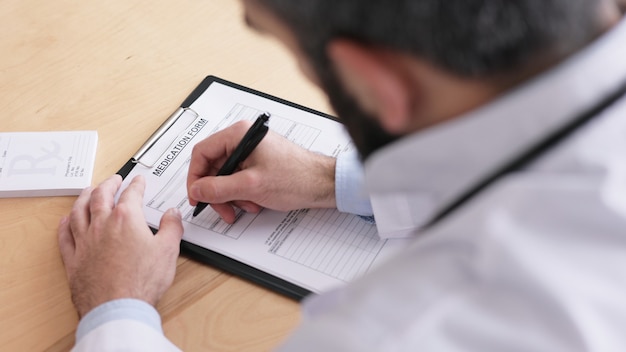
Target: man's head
(392, 67)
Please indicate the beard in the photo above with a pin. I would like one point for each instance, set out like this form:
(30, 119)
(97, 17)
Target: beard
(366, 132)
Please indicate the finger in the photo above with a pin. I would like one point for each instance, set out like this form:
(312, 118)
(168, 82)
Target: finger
(168, 237)
(205, 157)
(133, 194)
(67, 246)
(103, 198)
(192, 177)
(248, 207)
(209, 154)
(171, 228)
(242, 185)
(225, 211)
(80, 216)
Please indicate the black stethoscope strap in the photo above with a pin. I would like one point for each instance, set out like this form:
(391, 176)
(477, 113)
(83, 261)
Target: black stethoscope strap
(529, 155)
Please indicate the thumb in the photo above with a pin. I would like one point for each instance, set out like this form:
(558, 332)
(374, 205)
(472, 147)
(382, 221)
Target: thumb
(223, 189)
(171, 226)
(67, 246)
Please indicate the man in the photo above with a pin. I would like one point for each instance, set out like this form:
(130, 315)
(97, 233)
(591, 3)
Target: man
(438, 97)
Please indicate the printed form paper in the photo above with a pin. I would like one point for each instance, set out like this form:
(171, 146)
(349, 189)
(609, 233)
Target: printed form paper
(313, 248)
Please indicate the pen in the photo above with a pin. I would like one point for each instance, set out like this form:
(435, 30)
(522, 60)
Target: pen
(250, 140)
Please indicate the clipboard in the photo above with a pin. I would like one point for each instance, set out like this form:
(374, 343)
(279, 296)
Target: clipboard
(300, 278)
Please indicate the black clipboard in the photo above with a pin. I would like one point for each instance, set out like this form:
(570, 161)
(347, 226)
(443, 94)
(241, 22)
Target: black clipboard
(202, 254)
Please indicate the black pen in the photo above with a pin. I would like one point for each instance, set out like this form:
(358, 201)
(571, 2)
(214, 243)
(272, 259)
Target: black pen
(250, 140)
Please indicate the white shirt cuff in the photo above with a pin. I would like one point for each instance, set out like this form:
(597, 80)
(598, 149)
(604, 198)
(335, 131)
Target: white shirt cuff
(350, 192)
(125, 308)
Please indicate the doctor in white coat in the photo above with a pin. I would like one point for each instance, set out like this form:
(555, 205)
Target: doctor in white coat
(493, 132)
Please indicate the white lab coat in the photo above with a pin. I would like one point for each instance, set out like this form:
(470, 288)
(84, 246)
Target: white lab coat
(537, 262)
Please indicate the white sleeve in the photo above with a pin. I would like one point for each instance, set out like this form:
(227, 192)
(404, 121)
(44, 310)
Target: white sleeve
(124, 335)
(122, 325)
(350, 192)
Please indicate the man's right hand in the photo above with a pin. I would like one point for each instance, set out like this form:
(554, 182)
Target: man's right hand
(278, 175)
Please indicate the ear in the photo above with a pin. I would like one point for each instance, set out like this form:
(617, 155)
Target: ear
(374, 81)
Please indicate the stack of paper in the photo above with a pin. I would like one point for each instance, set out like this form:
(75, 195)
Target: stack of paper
(57, 163)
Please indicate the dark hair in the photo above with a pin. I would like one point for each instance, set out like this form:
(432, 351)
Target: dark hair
(466, 37)
(493, 39)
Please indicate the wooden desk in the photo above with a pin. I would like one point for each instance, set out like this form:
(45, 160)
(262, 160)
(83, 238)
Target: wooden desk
(121, 67)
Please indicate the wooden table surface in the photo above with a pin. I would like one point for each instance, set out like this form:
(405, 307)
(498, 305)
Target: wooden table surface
(121, 67)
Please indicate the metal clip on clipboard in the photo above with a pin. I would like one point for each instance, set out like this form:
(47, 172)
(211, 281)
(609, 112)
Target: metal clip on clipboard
(164, 129)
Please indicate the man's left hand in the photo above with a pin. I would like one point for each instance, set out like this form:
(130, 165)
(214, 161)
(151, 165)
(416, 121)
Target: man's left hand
(109, 251)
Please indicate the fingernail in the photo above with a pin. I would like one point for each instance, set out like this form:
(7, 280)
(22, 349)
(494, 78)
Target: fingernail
(64, 220)
(247, 208)
(195, 192)
(176, 212)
